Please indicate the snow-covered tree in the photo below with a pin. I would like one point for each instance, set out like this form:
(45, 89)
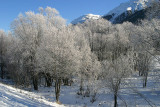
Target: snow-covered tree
(90, 67)
(3, 50)
(114, 73)
(154, 10)
(59, 55)
(141, 39)
(29, 29)
(96, 32)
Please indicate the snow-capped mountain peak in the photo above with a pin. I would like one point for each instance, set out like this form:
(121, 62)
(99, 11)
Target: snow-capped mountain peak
(83, 18)
(131, 5)
(132, 10)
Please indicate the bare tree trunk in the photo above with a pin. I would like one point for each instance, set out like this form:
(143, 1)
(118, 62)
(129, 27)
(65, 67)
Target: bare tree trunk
(66, 81)
(1, 56)
(81, 87)
(57, 89)
(35, 82)
(145, 80)
(115, 100)
(2, 70)
(140, 73)
(48, 80)
(32, 69)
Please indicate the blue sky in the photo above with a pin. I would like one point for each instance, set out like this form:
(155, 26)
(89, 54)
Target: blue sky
(69, 9)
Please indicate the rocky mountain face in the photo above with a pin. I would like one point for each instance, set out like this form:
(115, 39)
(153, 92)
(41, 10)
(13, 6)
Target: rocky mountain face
(127, 16)
(132, 11)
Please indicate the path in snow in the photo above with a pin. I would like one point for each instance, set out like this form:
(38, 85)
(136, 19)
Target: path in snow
(12, 97)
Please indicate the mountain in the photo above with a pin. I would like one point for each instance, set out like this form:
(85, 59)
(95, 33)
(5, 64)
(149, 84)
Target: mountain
(83, 18)
(132, 11)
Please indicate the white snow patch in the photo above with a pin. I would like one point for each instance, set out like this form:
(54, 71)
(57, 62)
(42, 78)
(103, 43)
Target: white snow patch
(129, 8)
(83, 18)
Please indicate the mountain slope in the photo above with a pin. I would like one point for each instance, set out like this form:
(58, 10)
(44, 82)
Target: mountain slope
(83, 18)
(11, 97)
(132, 11)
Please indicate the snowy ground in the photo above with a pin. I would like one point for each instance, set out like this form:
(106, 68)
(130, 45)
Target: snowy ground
(12, 97)
(132, 93)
